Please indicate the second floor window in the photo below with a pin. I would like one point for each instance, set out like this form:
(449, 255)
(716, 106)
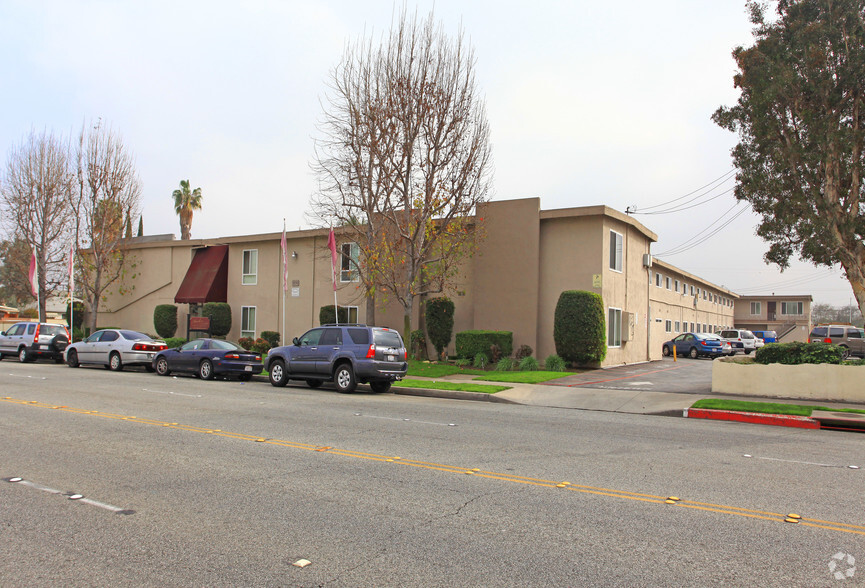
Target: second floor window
(250, 267)
(349, 263)
(615, 251)
(755, 308)
(792, 308)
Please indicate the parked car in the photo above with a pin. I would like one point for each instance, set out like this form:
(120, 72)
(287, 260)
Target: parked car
(114, 349)
(208, 358)
(850, 338)
(696, 345)
(32, 340)
(344, 354)
(758, 342)
(740, 340)
(766, 336)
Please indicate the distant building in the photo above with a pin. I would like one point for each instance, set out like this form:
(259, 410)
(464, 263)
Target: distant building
(788, 316)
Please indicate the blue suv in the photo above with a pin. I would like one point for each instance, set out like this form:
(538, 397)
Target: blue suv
(346, 355)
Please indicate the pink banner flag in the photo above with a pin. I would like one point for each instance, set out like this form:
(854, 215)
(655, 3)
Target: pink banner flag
(331, 244)
(34, 275)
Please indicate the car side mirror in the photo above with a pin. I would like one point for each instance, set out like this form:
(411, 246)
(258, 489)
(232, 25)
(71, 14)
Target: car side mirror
(2, 333)
(295, 341)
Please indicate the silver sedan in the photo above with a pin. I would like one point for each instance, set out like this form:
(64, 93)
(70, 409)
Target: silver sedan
(114, 349)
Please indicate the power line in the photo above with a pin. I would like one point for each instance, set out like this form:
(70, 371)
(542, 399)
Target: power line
(702, 236)
(722, 179)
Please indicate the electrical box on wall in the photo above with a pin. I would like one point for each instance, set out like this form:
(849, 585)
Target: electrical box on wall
(629, 326)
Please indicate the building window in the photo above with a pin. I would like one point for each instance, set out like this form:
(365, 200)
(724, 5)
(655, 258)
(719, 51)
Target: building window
(676, 287)
(614, 327)
(792, 308)
(755, 308)
(658, 278)
(247, 321)
(352, 313)
(250, 267)
(677, 327)
(698, 327)
(615, 251)
(668, 326)
(349, 264)
(669, 284)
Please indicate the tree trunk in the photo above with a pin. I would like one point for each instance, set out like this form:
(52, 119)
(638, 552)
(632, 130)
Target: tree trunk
(370, 310)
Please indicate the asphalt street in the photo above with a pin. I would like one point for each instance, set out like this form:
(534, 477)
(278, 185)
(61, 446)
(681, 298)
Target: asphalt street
(194, 483)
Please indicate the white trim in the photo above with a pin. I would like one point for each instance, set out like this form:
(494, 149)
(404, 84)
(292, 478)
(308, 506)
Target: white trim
(617, 252)
(610, 326)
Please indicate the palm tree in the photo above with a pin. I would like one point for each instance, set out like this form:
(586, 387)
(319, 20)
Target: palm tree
(184, 203)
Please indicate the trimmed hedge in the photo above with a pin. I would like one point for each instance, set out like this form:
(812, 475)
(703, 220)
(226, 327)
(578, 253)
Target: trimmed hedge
(219, 314)
(173, 342)
(579, 327)
(470, 343)
(326, 316)
(798, 353)
(271, 337)
(440, 322)
(165, 320)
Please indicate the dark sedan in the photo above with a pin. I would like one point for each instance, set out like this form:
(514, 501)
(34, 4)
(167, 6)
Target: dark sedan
(695, 345)
(209, 358)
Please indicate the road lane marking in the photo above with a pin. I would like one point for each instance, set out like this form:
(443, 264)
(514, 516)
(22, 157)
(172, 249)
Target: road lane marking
(172, 393)
(405, 420)
(814, 463)
(476, 472)
(69, 495)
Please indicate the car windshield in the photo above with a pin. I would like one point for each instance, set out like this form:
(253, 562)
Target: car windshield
(227, 345)
(134, 336)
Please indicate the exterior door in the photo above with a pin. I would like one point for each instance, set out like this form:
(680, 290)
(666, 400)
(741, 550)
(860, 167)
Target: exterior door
(770, 310)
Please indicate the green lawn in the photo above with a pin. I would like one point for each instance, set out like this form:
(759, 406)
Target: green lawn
(438, 370)
(457, 386)
(523, 377)
(766, 407)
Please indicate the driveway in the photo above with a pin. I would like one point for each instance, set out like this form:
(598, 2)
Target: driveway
(689, 376)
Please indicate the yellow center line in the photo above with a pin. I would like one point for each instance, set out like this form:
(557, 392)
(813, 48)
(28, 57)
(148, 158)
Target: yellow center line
(452, 469)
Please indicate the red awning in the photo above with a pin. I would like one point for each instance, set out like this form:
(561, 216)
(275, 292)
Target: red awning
(206, 279)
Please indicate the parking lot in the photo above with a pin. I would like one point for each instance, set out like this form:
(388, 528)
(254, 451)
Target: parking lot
(691, 376)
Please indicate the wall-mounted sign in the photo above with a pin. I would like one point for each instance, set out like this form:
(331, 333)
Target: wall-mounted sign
(596, 280)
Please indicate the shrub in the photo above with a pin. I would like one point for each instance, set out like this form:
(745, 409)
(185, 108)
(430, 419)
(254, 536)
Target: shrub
(495, 353)
(77, 315)
(418, 344)
(219, 314)
(505, 364)
(261, 345)
(529, 364)
(798, 353)
(480, 361)
(554, 363)
(271, 337)
(523, 352)
(165, 320)
(29, 313)
(470, 343)
(173, 342)
(326, 316)
(440, 322)
(579, 327)
(463, 363)
(77, 335)
(246, 342)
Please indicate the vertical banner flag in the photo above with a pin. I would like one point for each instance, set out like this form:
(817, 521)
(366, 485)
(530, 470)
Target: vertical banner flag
(34, 275)
(331, 244)
(284, 247)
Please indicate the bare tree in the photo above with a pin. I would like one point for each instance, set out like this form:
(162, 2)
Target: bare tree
(107, 190)
(34, 196)
(408, 158)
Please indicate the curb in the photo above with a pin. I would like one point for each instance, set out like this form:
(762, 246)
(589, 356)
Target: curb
(451, 394)
(780, 420)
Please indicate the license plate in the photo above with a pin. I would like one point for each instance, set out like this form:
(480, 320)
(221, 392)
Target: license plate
(391, 358)
(248, 368)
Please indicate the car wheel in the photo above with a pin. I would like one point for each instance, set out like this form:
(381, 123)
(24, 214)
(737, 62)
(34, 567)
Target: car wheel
(693, 354)
(115, 364)
(666, 351)
(23, 356)
(344, 378)
(72, 359)
(278, 376)
(314, 383)
(747, 352)
(205, 370)
(845, 352)
(380, 387)
(162, 366)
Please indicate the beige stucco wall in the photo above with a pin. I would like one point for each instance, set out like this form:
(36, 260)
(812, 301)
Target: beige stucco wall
(761, 321)
(840, 383)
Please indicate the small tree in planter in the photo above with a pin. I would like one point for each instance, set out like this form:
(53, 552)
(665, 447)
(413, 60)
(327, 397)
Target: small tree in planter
(440, 323)
(579, 327)
(165, 320)
(219, 314)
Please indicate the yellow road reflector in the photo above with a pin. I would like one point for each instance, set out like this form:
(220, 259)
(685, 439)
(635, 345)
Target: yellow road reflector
(323, 448)
(676, 498)
(794, 516)
(562, 485)
(668, 501)
(791, 520)
(260, 440)
(388, 459)
(470, 472)
(475, 470)
(301, 563)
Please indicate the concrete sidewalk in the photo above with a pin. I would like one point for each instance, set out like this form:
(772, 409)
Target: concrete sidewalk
(605, 400)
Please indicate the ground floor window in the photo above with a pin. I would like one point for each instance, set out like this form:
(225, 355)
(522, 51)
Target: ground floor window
(247, 321)
(677, 326)
(614, 327)
(668, 326)
(352, 313)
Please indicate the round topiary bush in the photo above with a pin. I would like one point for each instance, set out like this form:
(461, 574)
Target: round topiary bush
(164, 320)
(219, 314)
(579, 327)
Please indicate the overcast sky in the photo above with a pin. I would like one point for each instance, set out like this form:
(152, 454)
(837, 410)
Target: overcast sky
(589, 103)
